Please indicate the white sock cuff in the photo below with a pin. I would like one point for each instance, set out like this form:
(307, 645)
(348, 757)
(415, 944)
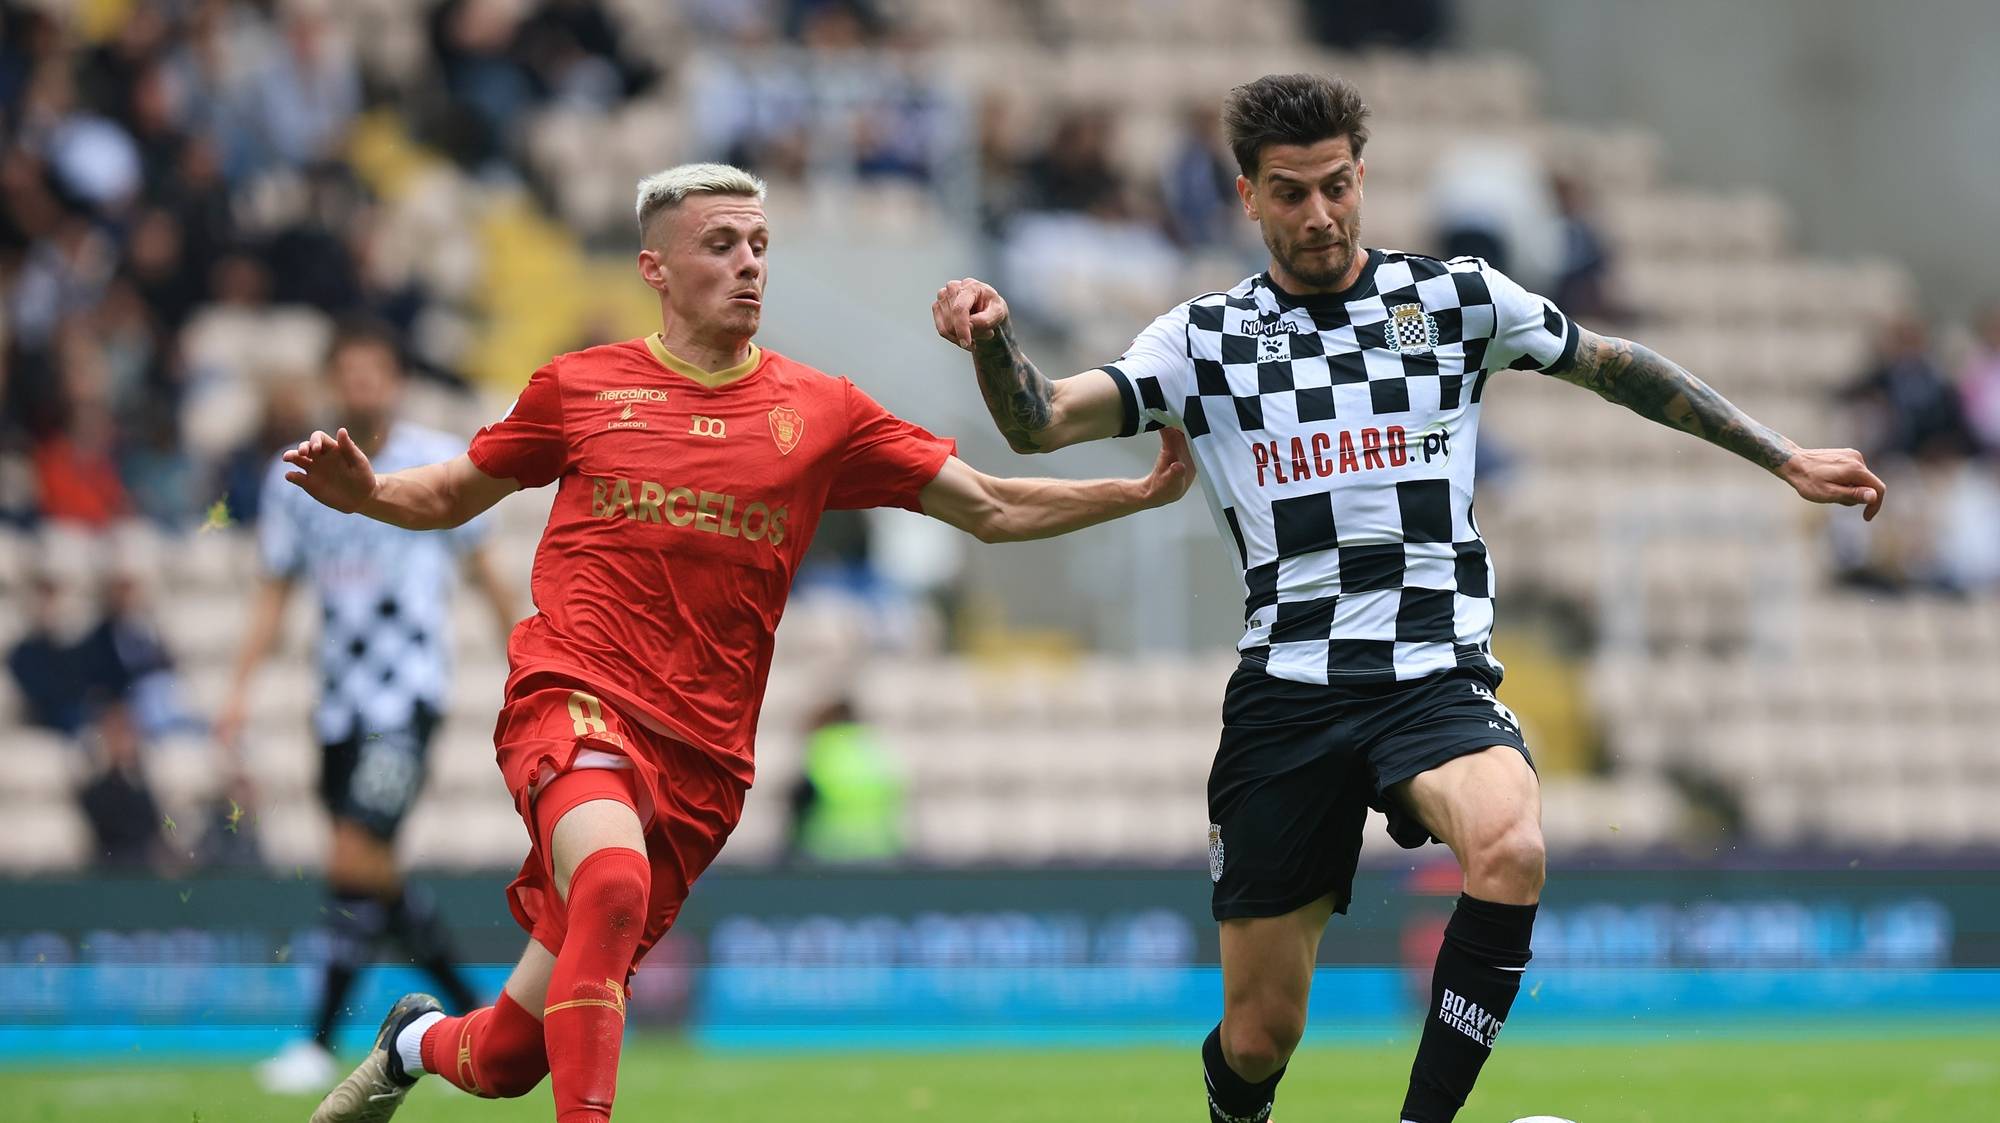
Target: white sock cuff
(410, 1042)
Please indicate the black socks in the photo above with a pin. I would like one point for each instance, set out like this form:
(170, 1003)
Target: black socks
(1478, 974)
(1232, 1099)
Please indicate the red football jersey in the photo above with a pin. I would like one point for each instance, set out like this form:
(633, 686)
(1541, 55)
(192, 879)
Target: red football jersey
(680, 516)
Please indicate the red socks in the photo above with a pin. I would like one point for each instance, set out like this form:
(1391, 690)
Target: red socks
(495, 1051)
(584, 1023)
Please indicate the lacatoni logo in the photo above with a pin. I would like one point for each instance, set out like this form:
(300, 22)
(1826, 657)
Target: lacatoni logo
(1351, 450)
(643, 501)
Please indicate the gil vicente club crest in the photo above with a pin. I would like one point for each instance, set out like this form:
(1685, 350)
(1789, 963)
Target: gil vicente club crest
(1412, 330)
(786, 428)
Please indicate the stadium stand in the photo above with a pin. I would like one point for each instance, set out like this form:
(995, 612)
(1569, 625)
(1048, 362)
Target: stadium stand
(1734, 692)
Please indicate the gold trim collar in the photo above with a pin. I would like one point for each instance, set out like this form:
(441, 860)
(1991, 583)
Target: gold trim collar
(713, 380)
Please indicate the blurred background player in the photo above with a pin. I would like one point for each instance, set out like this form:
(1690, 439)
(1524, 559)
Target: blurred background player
(849, 802)
(384, 658)
(692, 469)
(1333, 404)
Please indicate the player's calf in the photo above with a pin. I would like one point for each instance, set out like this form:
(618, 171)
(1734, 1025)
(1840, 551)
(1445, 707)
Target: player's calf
(585, 1018)
(496, 1052)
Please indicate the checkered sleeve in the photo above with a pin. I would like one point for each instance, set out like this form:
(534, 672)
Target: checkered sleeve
(1529, 331)
(1155, 375)
(278, 544)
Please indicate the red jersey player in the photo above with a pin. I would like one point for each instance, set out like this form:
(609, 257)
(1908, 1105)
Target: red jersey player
(691, 469)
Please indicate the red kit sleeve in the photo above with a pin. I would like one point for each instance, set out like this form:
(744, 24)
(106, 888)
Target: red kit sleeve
(528, 445)
(887, 460)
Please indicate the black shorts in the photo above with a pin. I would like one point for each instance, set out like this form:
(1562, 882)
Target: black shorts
(374, 778)
(1300, 765)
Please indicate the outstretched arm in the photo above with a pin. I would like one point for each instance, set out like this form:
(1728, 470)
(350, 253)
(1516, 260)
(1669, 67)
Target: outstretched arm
(1034, 413)
(333, 470)
(1655, 387)
(997, 509)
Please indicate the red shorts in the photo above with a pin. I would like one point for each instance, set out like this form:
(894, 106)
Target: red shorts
(688, 801)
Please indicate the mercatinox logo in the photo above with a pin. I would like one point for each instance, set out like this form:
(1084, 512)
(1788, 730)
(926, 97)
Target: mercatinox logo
(1350, 450)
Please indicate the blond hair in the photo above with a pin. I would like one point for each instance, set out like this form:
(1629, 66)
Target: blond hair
(663, 191)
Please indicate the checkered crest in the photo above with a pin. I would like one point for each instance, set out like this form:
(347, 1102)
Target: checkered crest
(1412, 330)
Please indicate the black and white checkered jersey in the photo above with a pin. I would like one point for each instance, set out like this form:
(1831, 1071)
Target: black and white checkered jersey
(384, 592)
(1335, 434)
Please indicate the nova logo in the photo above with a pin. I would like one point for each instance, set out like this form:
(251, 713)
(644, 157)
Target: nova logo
(699, 426)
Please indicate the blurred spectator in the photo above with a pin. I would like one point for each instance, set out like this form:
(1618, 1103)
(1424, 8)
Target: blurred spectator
(159, 476)
(473, 41)
(1354, 24)
(295, 106)
(126, 662)
(76, 466)
(1074, 170)
(847, 805)
(240, 478)
(1980, 385)
(572, 48)
(1583, 271)
(67, 266)
(117, 800)
(1904, 404)
(1002, 189)
(1491, 200)
(44, 662)
(902, 133)
(307, 258)
(753, 115)
(1199, 181)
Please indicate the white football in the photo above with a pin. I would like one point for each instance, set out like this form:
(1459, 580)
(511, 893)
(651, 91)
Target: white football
(1543, 1119)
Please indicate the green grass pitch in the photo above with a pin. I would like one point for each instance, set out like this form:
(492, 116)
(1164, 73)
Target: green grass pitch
(1916, 1076)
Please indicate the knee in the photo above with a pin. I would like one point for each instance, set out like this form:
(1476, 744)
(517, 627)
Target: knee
(612, 885)
(1257, 1043)
(1511, 866)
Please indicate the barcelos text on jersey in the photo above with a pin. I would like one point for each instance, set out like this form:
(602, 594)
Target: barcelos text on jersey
(645, 501)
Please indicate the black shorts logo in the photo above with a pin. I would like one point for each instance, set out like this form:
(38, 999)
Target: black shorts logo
(1215, 851)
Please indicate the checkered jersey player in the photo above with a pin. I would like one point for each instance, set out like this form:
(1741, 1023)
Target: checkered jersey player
(384, 663)
(691, 468)
(1332, 403)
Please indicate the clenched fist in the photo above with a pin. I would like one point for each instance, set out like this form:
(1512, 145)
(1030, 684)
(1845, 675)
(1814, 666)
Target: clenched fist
(967, 311)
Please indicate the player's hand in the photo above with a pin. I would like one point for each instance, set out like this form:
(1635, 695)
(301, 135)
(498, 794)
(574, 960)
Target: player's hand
(967, 311)
(1835, 475)
(332, 470)
(1173, 472)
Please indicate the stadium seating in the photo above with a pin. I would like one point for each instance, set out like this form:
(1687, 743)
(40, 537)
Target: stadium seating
(1726, 660)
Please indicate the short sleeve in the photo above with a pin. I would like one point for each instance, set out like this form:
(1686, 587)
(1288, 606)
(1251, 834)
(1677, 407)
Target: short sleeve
(528, 445)
(1154, 375)
(1529, 331)
(278, 534)
(887, 461)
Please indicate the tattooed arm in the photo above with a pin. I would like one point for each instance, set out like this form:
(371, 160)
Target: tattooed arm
(1655, 387)
(1034, 413)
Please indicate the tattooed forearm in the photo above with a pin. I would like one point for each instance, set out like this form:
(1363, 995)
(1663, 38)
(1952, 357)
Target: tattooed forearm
(1653, 386)
(1018, 396)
